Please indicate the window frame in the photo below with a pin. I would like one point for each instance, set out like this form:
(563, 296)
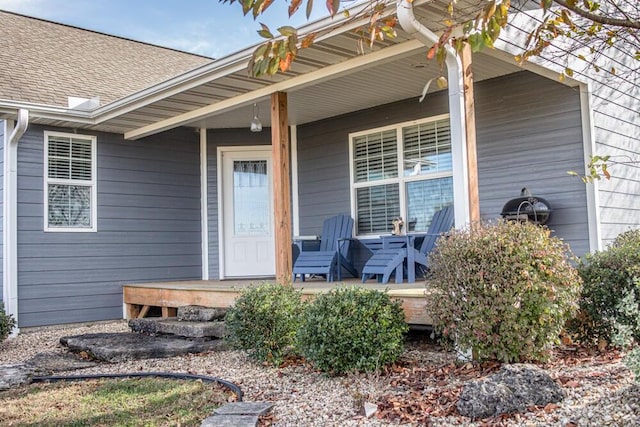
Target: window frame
(92, 184)
(401, 180)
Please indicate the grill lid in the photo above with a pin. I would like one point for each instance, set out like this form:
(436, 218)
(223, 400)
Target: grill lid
(527, 208)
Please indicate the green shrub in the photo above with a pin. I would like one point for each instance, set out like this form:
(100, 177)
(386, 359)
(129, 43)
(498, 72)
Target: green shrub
(352, 329)
(632, 360)
(610, 300)
(7, 323)
(264, 321)
(503, 291)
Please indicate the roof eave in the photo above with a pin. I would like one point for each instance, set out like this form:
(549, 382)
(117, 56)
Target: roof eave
(9, 107)
(234, 62)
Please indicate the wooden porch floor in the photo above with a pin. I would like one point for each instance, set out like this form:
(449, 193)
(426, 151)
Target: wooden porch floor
(140, 297)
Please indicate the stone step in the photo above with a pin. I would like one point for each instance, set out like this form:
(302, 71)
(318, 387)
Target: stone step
(173, 326)
(237, 414)
(118, 347)
(197, 313)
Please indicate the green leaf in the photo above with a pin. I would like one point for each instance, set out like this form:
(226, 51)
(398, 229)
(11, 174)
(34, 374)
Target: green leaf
(274, 64)
(309, 8)
(281, 49)
(246, 6)
(287, 30)
(260, 51)
(293, 44)
(265, 32)
(257, 4)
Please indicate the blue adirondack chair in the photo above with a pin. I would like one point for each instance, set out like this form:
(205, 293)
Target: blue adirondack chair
(388, 260)
(332, 254)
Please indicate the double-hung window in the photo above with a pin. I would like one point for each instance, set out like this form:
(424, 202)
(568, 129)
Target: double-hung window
(70, 182)
(402, 170)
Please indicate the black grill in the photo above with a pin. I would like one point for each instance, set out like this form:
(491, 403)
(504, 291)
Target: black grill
(527, 208)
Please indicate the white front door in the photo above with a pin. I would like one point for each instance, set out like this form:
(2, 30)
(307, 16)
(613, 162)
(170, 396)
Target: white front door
(248, 242)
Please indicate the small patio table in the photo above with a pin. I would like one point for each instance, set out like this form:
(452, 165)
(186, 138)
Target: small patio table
(404, 243)
(407, 242)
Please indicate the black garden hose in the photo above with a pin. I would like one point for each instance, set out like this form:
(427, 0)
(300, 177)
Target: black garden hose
(228, 384)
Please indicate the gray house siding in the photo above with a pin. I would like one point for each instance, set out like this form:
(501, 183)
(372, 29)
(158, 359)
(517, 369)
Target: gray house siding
(528, 131)
(614, 103)
(148, 226)
(2, 210)
(217, 138)
(529, 135)
(616, 117)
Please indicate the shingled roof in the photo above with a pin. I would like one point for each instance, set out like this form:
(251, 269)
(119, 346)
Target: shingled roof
(44, 62)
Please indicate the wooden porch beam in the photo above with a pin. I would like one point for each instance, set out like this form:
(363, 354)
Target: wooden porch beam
(470, 129)
(281, 149)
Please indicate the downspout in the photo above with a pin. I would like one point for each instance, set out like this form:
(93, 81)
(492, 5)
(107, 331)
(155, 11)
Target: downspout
(410, 24)
(10, 217)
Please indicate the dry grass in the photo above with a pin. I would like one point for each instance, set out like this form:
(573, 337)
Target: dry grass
(112, 402)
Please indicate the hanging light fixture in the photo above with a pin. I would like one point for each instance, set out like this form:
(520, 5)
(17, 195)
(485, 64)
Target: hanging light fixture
(256, 124)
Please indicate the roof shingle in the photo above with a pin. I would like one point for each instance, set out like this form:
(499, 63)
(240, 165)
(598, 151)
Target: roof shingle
(44, 62)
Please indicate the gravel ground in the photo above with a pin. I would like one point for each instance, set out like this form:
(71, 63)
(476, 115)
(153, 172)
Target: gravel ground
(600, 391)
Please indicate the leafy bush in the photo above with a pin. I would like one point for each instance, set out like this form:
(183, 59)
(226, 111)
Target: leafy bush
(503, 291)
(7, 323)
(352, 329)
(632, 360)
(610, 300)
(264, 321)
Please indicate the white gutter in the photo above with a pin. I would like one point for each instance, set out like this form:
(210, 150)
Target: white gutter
(410, 24)
(9, 214)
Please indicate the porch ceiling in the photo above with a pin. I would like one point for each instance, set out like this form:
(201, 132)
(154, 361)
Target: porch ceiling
(382, 84)
(227, 83)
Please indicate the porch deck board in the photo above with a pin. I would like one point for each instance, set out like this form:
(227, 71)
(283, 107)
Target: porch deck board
(222, 293)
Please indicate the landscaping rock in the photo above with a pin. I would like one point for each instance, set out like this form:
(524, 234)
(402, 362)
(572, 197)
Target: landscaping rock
(244, 408)
(237, 414)
(48, 363)
(147, 326)
(196, 313)
(513, 388)
(370, 409)
(15, 375)
(230, 421)
(118, 347)
(171, 326)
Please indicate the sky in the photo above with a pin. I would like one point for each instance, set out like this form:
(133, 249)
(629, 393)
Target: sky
(205, 27)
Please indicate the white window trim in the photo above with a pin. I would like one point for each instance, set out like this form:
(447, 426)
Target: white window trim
(93, 184)
(401, 180)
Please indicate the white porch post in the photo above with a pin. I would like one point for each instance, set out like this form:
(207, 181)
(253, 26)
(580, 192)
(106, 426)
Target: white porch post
(589, 147)
(204, 204)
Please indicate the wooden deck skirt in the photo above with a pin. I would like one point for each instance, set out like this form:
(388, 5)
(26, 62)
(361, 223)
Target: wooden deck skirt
(139, 298)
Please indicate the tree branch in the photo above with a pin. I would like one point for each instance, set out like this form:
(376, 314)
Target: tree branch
(605, 20)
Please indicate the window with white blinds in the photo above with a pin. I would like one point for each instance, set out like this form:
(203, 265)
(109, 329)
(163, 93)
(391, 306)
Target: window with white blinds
(70, 182)
(403, 170)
